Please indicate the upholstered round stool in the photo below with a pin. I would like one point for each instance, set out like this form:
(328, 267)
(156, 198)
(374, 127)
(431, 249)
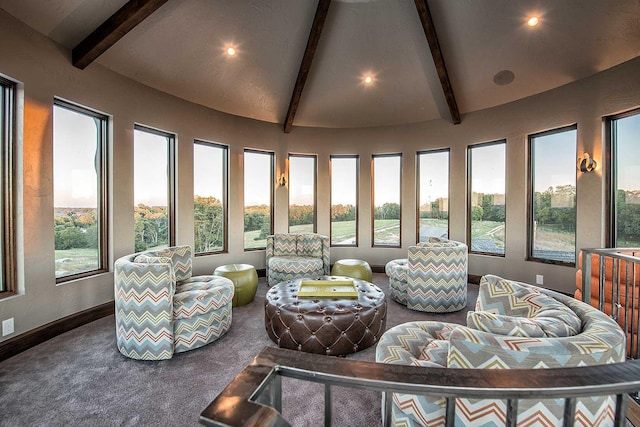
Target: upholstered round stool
(397, 271)
(354, 268)
(245, 280)
(333, 326)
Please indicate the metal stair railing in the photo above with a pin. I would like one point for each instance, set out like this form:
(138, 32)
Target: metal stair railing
(254, 397)
(625, 282)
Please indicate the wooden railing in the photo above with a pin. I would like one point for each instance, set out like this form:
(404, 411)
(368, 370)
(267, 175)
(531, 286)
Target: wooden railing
(254, 397)
(618, 276)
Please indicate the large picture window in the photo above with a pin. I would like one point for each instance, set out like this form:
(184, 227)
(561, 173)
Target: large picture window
(433, 194)
(552, 201)
(386, 170)
(210, 197)
(624, 134)
(344, 200)
(258, 198)
(486, 198)
(79, 186)
(153, 188)
(302, 193)
(7, 212)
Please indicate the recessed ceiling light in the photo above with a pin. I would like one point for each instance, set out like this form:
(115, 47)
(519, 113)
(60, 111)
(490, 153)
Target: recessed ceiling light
(533, 21)
(367, 80)
(231, 51)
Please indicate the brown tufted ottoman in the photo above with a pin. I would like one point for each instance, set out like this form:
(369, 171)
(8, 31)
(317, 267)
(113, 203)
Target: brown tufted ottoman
(332, 326)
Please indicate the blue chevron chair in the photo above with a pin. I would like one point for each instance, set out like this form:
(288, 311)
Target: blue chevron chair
(291, 256)
(515, 326)
(433, 278)
(162, 310)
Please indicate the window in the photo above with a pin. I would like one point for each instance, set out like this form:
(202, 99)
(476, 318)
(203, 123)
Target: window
(386, 174)
(79, 191)
(153, 188)
(344, 200)
(210, 197)
(258, 198)
(7, 212)
(433, 194)
(302, 193)
(624, 132)
(486, 198)
(552, 199)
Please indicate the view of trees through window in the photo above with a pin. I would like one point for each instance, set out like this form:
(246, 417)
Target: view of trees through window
(625, 133)
(386, 174)
(302, 193)
(209, 196)
(552, 232)
(433, 194)
(151, 182)
(78, 141)
(258, 198)
(487, 197)
(344, 200)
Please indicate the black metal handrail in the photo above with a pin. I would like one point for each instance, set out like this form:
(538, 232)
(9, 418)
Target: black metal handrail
(254, 397)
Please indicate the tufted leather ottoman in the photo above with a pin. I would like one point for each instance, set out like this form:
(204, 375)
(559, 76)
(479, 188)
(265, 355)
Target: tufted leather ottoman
(332, 326)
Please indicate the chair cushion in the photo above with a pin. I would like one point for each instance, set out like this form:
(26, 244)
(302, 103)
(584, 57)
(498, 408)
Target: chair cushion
(285, 245)
(309, 245)
(515, 299)
(503, 325)
(145, 258)
(200, 295)
(180, 259)
(295, 264)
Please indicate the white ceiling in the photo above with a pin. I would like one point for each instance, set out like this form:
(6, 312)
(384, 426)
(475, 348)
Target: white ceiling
(180, 50)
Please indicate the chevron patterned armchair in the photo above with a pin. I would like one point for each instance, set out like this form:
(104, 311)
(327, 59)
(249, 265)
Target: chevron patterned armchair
(433, 278)
(291, 256)
(161, 309)
(515, 326)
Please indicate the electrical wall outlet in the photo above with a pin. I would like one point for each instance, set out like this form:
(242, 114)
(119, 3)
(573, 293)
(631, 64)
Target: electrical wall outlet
(7, 327)
(539, 279)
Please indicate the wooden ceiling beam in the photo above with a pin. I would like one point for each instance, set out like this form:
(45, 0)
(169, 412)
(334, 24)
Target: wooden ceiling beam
(112, 30)
(307, 59)
(436, 53)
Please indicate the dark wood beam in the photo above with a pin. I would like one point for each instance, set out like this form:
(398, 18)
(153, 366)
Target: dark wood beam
(112, 30)
(438, 59)
(307, 59)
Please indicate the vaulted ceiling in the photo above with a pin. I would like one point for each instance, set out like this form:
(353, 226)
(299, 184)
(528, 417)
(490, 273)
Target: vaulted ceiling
(302, 62)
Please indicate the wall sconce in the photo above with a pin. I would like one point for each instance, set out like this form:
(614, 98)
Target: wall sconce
(282, 182)
(586, 163)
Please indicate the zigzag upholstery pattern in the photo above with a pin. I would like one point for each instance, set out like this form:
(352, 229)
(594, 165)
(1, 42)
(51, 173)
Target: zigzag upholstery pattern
(435, 275)
(293, 256)
(397, 271)
(157, 317)
(599, 341)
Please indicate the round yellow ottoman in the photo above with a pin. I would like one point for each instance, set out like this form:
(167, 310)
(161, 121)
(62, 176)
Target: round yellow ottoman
(354, 268)
(245, 280)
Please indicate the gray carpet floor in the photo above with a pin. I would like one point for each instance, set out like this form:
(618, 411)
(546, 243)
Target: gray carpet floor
(80, 379)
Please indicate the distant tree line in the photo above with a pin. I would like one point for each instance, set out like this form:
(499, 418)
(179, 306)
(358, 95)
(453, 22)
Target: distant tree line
(75, 228)
(432, 210)
(628, 215)
(556, 207)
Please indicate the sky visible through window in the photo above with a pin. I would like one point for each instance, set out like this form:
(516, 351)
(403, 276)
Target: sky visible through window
(628, 152)
(75, 179)
(151, 179)
(302, 180)
(257, 191)
(207, 182)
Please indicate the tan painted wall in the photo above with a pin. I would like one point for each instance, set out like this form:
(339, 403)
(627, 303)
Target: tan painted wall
(45, 70)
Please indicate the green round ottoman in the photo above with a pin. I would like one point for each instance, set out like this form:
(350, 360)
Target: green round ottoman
(353, 268)
(245, 280)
